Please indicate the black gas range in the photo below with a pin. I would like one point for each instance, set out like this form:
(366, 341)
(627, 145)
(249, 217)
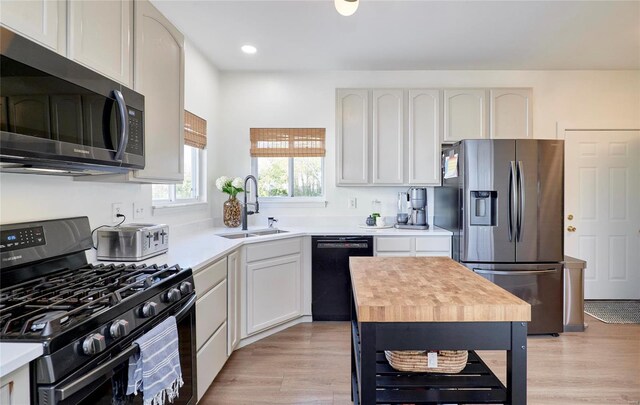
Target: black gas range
(86, 316)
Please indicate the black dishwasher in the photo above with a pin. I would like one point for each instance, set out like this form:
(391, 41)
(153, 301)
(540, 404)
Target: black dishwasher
(331, 283)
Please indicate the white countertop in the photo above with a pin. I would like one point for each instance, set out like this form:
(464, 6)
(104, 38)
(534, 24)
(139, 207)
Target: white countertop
(15, 355)
(197, 249)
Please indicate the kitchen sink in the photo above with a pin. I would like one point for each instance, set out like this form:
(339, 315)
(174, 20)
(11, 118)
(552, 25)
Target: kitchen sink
(269, 232)
(244, 235)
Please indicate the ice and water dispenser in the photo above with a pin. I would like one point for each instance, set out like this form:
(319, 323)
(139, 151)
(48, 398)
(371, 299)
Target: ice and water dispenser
(483, 208)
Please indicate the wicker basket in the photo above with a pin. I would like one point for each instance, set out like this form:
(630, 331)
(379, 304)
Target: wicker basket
(449, 361)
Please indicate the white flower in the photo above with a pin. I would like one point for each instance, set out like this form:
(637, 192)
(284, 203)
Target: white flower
(237, 182)
(221, 181)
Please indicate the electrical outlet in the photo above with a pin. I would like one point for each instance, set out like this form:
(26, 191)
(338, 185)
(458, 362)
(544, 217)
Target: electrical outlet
(139, 211)
(353, 203)
(116, 208)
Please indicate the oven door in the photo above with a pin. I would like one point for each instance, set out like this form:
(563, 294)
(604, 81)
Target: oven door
(96, 384)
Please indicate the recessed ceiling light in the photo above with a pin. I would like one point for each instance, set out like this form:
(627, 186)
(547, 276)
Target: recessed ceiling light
(346, 7)
(249, 49)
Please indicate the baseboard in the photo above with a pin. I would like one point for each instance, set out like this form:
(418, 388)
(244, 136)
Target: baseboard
(258, 336)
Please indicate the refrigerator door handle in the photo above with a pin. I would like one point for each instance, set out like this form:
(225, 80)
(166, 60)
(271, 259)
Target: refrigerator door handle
(521, 201)
(512, 197)
(513, 272)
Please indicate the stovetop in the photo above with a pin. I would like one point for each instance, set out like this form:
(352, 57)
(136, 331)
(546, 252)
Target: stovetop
(48, 306)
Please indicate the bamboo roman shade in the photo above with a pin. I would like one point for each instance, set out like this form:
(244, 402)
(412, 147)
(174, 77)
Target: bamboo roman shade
(287, 142)
(195, 130)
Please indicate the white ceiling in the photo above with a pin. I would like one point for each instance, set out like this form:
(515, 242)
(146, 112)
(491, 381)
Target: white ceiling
(412, 35)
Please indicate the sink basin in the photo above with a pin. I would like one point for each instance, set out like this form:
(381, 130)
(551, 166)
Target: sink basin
(244, 235)
(269, 232)
(238, 235)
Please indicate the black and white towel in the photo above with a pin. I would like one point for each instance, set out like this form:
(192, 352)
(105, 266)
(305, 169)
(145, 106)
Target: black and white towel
(155, 370)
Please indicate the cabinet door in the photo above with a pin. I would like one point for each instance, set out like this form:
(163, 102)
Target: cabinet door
(424, 137)
(14, 387)
(43, 21)
(464, 114)
(352, 136)
(233, 303)
(273, 292)
(387, 136)
(100, 37)
(511, 114)
(159, 76)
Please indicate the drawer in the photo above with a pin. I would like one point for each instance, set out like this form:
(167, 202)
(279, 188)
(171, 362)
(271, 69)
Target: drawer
(211, 358)
(433, 244)
(391, 244)
(394, 254)
(208, 278)
(267, 250)
(432, 254)
(211, 312)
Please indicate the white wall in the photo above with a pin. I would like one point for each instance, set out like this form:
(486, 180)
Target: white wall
(287, 99)
(27, 197)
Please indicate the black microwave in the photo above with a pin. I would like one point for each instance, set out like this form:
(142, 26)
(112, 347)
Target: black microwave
(59, 117)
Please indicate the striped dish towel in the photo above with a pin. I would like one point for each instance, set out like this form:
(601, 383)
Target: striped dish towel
(155, 370)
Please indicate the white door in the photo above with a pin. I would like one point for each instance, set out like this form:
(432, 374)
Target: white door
(100, 37)
(465, 114)
(602, 194)
(424, 137)
(352, 132)
(388, 134)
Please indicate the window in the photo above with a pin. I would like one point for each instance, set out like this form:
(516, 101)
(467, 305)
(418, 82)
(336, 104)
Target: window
(192, 189)
(288, 162)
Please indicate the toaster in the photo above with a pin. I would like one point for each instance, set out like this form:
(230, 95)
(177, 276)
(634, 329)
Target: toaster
(132, 242)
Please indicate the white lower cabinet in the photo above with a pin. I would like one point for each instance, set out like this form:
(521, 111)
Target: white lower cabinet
(413, 246)
(211, 358)
(14, 387)
(211, 285)
(273, 292)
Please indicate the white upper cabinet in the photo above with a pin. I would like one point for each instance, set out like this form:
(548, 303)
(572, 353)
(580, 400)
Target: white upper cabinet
(465, 115)
(352, 136)
(101, 37)
(424, 137)
(511, 114)
(388, 134)
(43, 21)
(159, 76)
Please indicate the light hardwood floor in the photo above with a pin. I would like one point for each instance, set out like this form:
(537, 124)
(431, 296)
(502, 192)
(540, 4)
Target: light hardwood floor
(309, 364)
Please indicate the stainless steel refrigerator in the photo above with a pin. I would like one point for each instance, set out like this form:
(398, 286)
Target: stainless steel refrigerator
(503, 200)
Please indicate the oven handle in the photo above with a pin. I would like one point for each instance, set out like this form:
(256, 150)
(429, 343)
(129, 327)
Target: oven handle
(187, 306)
(70, 389)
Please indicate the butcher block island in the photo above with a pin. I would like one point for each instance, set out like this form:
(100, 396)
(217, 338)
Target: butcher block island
(433, 303)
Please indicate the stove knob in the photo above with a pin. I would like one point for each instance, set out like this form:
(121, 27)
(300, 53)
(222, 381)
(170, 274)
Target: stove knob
(93, 344)
(148, 309)
(172, 295)
(119, 329)
(186, 288)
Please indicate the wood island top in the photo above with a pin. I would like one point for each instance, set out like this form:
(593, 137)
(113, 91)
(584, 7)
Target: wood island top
(429, 289)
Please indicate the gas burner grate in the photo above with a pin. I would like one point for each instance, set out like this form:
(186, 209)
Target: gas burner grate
(46, 305)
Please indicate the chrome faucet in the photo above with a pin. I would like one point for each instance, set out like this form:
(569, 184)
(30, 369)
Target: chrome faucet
(245, 212)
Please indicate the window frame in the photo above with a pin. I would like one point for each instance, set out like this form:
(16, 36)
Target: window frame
(291, 200)
(199, 171)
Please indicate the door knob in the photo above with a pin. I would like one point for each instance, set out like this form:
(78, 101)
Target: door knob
(570, 217)
(571, 228)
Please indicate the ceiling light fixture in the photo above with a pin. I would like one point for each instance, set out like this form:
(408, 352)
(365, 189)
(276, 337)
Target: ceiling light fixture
(249, 49)
(346, 7)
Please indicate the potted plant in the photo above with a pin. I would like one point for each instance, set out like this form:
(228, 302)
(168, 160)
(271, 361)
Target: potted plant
(231, 209)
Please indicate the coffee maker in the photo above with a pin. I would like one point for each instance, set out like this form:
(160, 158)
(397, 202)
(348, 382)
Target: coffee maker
(417, 207)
